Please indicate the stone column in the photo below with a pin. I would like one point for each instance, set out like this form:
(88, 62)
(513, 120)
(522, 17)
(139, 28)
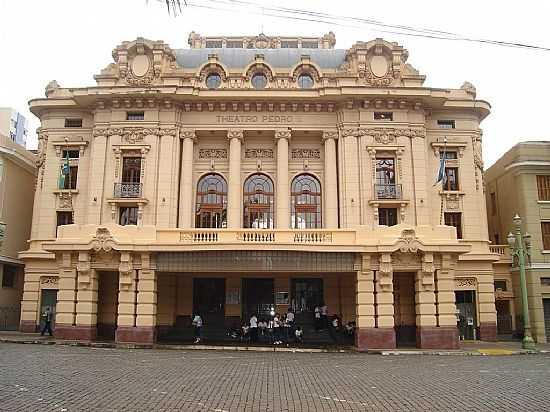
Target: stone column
(234, 203)
(86, 299)
(282, 218)
(427, 336)
(331, 182)
(127, 299)
(186, 179)
(383, 336)
(29, 302)
(65, 316)
(365, 320)
(146, 321)
(446, 307)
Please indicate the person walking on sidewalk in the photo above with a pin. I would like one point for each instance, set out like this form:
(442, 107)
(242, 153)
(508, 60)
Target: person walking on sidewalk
(253, 329)
(197, 324)
(47, 316)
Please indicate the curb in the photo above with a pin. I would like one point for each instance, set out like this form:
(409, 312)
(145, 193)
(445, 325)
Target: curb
(383, 352)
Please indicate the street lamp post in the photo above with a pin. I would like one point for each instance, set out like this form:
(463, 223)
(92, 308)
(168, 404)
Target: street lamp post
(516, 241)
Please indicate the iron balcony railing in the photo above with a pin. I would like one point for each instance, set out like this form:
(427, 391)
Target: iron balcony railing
(388, 191)
(128, 190)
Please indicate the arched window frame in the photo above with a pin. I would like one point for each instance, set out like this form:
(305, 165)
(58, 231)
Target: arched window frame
(258, 202)
(211, 202)
(306, 204)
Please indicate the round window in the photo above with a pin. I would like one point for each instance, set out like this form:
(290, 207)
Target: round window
(305, 81)
(259, 81)
(213, 81)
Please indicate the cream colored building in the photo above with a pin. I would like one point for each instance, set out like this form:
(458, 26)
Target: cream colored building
(17, 180)
(245, 174)
(519, 182)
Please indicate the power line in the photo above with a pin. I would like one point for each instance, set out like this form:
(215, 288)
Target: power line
(238, 6)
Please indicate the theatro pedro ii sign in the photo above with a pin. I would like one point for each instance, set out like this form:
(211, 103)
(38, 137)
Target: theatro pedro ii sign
(253, 118)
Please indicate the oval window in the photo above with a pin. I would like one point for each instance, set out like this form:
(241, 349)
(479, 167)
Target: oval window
(259, 81)
(213, 81)
(305, 81)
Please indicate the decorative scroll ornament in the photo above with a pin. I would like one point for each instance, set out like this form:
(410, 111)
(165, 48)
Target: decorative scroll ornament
(389, 135)
(329, 134)
(102, 241)
(212, 153)
(408, 242)
(187, 134)
(235, 134)
(465, 283)
(258, 153)
(305, 154)
(283, 134)
(49, 281)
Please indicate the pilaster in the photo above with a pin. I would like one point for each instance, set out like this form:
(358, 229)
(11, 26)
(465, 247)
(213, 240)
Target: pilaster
(331, 183)
(234, 203)
(186, 180)
(282, 218)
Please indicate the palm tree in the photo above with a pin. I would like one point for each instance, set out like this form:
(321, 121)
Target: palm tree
(171, 5)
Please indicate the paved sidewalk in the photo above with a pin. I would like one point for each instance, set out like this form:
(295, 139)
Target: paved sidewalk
(466, 348)
(75, 379)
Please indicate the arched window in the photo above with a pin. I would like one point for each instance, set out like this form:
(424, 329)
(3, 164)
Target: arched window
(306, 202)
(211, 208)
(258, 202)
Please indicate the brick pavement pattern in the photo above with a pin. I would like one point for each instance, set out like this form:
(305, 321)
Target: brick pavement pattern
(64, 378)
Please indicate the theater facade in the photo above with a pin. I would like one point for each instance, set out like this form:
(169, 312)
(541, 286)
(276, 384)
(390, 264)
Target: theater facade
(243, 175)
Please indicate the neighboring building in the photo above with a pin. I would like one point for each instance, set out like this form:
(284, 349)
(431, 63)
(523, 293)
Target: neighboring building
(519, 182)
(260, 174)
(17, 180)
(14, 125)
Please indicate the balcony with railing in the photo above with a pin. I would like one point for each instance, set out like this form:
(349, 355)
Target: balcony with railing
(388, 192)
(503, 251)
(128, 190)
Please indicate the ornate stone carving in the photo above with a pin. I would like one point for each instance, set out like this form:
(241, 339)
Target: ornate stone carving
(469, 88)
(126, 271)
(51, 87)
(283, 134)
(387, 136)
(427, 272)
(255, 153)
(235, 134)
(406, 260)
(385, 272)
(188, 134)
(330, 134)
(65, 201)
(49, 282)
(41, 155)
(212, 153)
(408, 241)
(299, 154)
(102, 241)
(465, 283)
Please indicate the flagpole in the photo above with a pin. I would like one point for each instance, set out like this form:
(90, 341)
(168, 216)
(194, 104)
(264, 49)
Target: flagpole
(443, 181)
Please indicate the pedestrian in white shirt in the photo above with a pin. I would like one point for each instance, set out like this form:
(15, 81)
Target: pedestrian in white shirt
(253, 329)
(197, 324)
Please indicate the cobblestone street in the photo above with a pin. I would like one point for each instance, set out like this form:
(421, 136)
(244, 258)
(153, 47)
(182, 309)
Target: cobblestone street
(63, 378)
